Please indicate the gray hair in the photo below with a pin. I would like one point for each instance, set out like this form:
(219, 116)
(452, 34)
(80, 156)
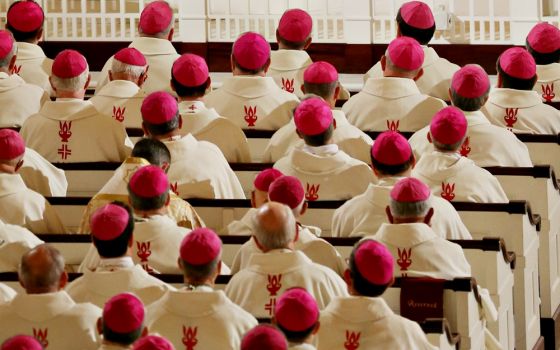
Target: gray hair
(45, 276)
(279, 238)
(5, 62)
(70, 84)
(129, 69)
(409, 209)
(468, 104)
(447, 148)
(394, 68)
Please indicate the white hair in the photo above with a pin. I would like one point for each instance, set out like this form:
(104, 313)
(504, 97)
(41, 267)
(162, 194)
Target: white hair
(276, 239)
(129, 69)
(70, 84)
(409, 209)
(5, 62)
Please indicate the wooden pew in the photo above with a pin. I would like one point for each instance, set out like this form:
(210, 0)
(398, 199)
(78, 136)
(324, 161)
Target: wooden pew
(544, 149)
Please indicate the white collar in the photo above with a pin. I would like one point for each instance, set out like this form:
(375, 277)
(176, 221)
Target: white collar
(191, 107)
(201, 288)
(320, 150)
(112, 264)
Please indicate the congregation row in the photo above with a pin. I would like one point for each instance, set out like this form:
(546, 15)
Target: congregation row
(398, 191)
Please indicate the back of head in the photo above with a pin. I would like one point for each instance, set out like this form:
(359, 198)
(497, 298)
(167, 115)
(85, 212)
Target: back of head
(12, 149)
(391, 154)
(516, 69)
(264, 336)
(41, 270)
(261, 184)
(190, 76)
(153, 342)
(470, 86)
(314, 121)
(448, 129)
(296, 314)
(111, 229)
(123, 319)
(25, 20)
(129, 64)
(156, 20)
(274, 226)
(160, 114)
(251, 54)
(410, 200)
(200, 253)
(8, 49)
(415, 20)
(288, 190)
(543, 43)
(21, 342)
(294, 29)
(371, 268)
(404, 58)
(148, 189)
(321, 79)
(152, 150)
(70, 72)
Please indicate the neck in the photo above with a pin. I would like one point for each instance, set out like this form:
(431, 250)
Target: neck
(408, 220)
(149, 213)
(41, 290)
(238, 72)
(210, 282)
(71, 94)
(167, 136)
(7, 169)
(191, 99)
(5, 70)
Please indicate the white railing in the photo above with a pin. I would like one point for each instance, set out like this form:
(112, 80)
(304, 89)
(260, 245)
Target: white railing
(335, 21)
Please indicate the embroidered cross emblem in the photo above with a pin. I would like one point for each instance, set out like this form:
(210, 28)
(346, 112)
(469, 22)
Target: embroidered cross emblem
(64, 151)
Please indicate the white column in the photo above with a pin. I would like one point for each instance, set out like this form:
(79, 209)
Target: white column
(357, 21)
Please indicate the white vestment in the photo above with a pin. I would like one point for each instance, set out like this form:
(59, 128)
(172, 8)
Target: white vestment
(19, 100)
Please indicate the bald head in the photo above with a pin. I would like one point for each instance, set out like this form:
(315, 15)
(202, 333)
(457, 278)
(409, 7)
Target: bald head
(42, 270)
(274, 226)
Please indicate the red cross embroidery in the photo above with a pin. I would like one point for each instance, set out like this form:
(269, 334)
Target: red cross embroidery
(64, 151)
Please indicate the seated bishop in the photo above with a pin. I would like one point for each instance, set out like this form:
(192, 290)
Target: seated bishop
(70, 129)
(267, 275)
(156, 235)
(288, 190)
(197, 314)
(485, 144)
(44, 309)
(393, 100)
(250, 99)
(514, 105)
(19, 99)
(392, 161)
(112, 233)
(190, 80)
(364, 320)
(198, 168)
(321, 79)
(417, 249)
(20, 205)
(155, 32)
(25, 20)
(122, 322)
(449, 174)
(145, 152)
(543, 43)
(415, 20)
(122, 97)
(319, 163)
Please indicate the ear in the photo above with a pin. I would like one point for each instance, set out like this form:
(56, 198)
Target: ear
(208, 84)
(413, 164)
(307, 43)
(180, 121)
(50, 82)
(144, 332)
(170, 35)
(40, 34)
(145, 130)
(267, 65)
(303, 88)
(316, 328)
(87, 82)
(449, 94)
(499, 83)
(383, 62)
(110, 75)
(375, 171)
(303, 208)
(419, 74)
(337, 92)
(334, 124)
(299, 134)
(180, 263)
(232, 62)
(99, 325)
(63, 280)
(428, 217)
(130, 241)
(12, 63)
(253, 202)
(277, 37)
(347, 277)
(168, 200)
(219, 268)
(389, 214)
